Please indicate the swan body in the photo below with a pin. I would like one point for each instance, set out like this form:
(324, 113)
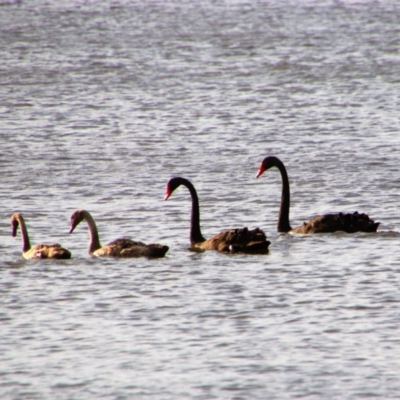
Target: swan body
(122, 247)
(38, 251)
(327, 223)
(230, 240)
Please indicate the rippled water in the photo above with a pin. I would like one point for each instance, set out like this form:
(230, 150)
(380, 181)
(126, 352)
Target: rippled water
(103, 102)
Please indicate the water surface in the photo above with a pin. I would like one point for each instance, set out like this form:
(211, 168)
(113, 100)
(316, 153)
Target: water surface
(103, 102)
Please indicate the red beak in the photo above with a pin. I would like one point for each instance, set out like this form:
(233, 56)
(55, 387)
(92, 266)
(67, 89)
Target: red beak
(260, 171)
(167, 194)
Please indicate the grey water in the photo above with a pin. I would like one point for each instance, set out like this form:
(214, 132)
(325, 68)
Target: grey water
(102, 102)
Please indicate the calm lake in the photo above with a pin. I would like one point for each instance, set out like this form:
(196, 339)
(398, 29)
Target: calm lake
(102, 102)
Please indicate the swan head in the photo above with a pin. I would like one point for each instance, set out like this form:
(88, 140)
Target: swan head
(14, 224)
(76, 218)
(267, 163)
(173, 184)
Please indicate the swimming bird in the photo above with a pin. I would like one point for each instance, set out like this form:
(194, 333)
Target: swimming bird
(122, 247)
(40, 250)
(230, 240)
(327, 223)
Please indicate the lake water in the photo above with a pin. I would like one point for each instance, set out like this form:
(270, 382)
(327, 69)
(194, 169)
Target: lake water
(102, 102)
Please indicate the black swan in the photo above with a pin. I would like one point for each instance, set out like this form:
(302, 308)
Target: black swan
(231, 240)
(327, 223)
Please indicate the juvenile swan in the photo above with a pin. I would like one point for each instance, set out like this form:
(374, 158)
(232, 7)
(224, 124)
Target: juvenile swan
(122, 247)
(39, 250)
(230, 240)
(327, 223)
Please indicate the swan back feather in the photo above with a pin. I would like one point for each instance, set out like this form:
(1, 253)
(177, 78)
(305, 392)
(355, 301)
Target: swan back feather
(240, 240)
(328, 223)
(53, 250)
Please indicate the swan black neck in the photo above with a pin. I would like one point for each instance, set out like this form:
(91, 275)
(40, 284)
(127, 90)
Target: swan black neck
(283, 219)
(195, 231)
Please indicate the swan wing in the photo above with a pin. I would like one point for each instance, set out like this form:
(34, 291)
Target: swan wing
(54, 250)
(238, 240)
(346, 222)
(149, 250)
(125, 247)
